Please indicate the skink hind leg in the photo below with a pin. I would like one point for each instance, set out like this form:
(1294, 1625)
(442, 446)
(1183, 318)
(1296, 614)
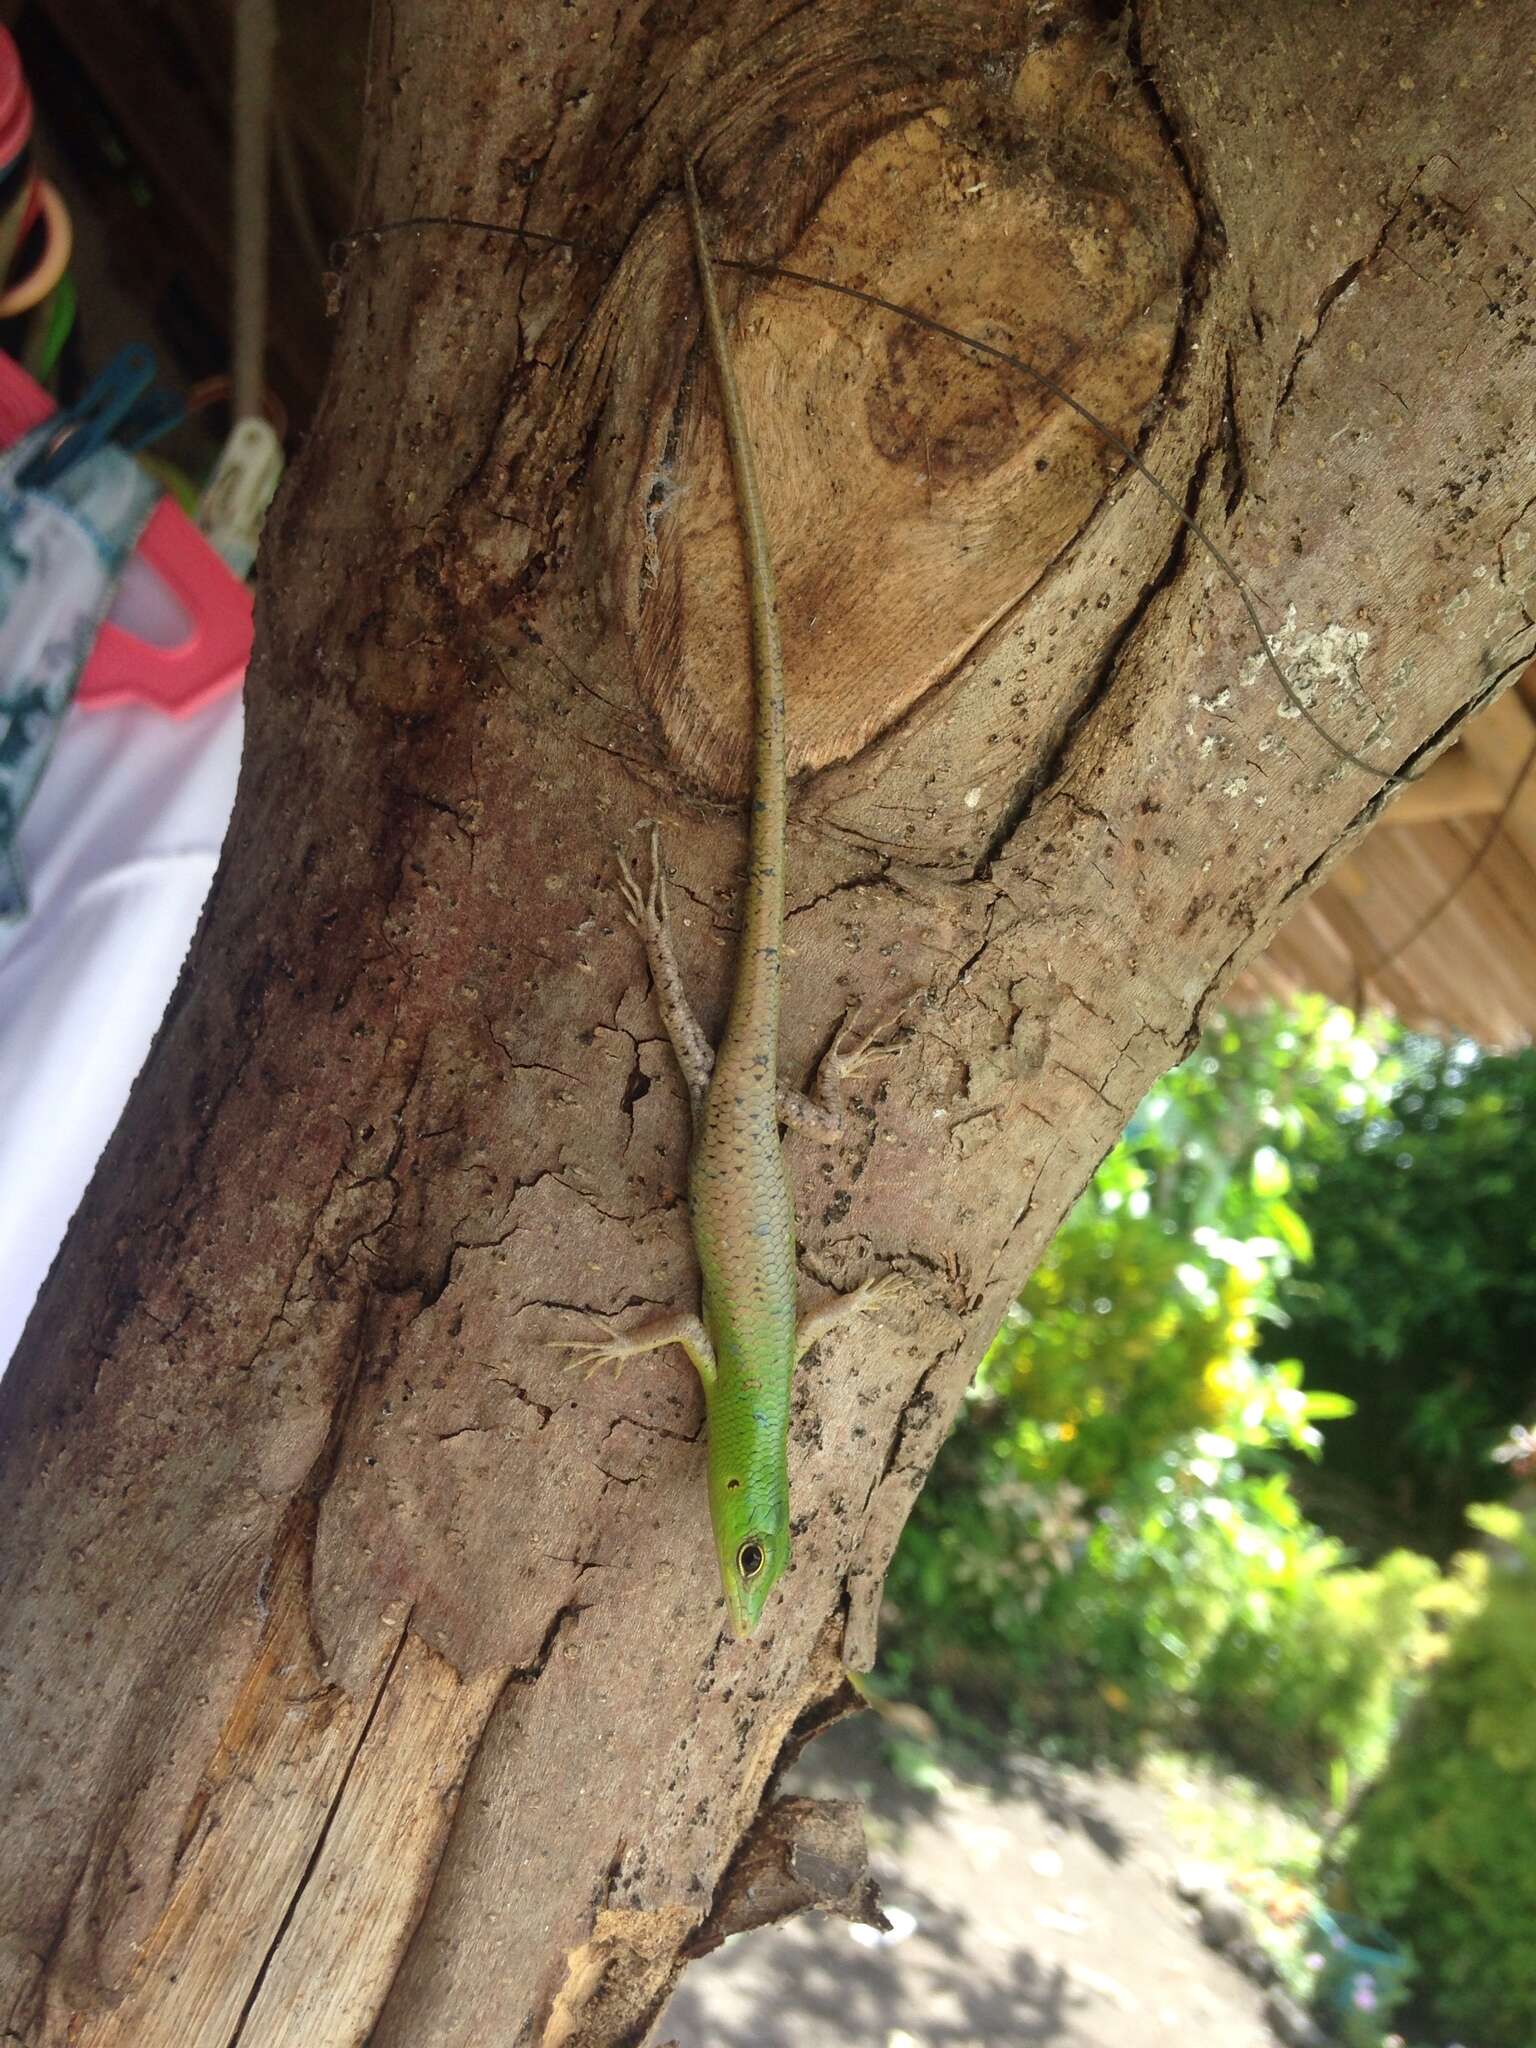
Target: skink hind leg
(615, 1346)
(647, 911)
(819, 1115)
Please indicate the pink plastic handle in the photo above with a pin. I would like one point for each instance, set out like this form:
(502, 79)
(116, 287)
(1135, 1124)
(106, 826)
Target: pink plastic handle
(122, 669)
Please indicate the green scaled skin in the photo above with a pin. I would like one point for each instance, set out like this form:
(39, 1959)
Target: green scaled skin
(748, 1340)
(738, 1189)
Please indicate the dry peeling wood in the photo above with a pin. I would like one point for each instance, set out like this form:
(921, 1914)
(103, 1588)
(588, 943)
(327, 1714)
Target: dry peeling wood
(365, 1674)
(800, 1854)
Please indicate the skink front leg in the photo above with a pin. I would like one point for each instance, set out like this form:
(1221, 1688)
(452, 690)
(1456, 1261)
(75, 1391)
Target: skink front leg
(614, 1346)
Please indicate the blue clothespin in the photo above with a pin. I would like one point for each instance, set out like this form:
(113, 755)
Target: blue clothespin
(155, 414)
(119, 401)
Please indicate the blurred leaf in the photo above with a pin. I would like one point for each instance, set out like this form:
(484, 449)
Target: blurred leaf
(1323, 1407)
(1271, 1175)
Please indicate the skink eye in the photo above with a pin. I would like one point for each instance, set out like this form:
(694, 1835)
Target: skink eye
(749, 1559)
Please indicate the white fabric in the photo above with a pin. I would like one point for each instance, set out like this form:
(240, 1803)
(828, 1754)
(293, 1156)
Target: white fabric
(119, 846)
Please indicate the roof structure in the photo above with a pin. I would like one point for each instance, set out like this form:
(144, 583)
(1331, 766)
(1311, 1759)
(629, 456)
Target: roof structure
(1433, 915)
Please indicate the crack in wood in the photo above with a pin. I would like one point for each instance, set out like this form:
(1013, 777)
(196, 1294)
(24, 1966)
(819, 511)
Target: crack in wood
(321, 1837)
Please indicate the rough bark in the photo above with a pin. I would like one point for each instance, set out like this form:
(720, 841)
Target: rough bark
(365, 1673)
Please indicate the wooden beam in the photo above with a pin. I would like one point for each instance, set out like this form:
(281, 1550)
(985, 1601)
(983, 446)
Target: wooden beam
(1455, 787)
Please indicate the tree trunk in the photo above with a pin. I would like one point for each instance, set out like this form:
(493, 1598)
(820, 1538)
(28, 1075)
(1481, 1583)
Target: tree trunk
(366, 1671)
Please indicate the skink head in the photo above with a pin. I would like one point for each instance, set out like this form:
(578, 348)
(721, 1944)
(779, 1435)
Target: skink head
(749, 1507)
(750, 1566)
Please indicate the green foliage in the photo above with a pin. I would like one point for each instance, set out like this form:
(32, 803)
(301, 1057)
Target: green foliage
(1421, 1299)
(1140, 1323)
(1204, 1606)
(1110, 1543)
(1312, 1666)
(1220, 1131)
(1442, 1849)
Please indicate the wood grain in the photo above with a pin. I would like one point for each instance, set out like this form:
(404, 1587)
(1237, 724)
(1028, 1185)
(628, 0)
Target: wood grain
(304, 1520)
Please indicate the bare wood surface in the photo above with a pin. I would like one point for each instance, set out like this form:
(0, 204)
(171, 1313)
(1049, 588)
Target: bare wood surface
(364, 1673)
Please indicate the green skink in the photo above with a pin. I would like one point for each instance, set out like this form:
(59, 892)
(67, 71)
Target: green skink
(747, 1339)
